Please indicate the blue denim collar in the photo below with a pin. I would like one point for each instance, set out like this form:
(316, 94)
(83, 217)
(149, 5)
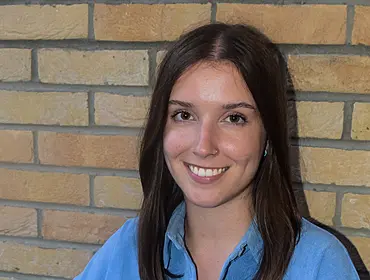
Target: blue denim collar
(252, 239)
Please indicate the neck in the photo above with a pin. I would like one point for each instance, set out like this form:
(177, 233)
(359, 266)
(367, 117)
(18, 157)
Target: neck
(223, 225)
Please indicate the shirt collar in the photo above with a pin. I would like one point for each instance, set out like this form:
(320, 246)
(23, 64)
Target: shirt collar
(175, 234)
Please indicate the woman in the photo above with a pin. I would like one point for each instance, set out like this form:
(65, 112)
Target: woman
(214, 166)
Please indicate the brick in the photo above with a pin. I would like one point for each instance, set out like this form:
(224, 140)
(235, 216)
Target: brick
(141, 22)
(295, 24)
(15, 64)
(61, 108)
(361, 26)
(18, 221)
(317, 119)
(42, 261)
(333, 166)
(79, 227)
(16, 146)
(118, 110)
(106, 151)
(361, 121)
(332, 73)
(117, 192)
(355, 211)
(321, 206)
(35, 22)
(44, 187)
(363, 246)
(104, 67)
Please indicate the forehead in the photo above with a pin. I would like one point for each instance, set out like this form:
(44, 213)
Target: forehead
(212, 82)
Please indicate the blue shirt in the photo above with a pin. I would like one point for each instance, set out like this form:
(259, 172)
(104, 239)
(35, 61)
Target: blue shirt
(318, 255)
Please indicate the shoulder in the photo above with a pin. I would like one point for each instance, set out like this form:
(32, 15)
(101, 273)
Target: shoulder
(118, 255)
(321, 255)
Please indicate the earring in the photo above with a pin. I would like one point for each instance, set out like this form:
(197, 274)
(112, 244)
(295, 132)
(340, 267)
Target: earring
(265, 153)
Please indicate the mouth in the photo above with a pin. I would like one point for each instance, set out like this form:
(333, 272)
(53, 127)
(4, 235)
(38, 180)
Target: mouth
(206, 172)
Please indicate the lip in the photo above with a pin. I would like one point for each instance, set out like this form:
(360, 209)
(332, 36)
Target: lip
(203, 180)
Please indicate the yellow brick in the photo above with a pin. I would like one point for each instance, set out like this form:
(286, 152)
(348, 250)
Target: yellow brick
(335, 166)
(318, 119)
(321, 206)
(142, 22)
(355, 211)
(79, 227)
(44, 187)
(117, 192)
(118, 110)
(15, 64)
(61, 108)
(361, 26)
(333, 73)
(18, 221)
(106, 67)
(106, 151)
(361, 121)
(49, 262)
(363, 246)
(16, 146)
(297, 24)
(34, 22)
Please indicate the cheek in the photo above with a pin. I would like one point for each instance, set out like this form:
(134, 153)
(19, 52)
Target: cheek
(176, 141)
(243, 146)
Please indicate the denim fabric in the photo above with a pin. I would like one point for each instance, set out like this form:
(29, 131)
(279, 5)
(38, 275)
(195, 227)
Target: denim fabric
(318, 255)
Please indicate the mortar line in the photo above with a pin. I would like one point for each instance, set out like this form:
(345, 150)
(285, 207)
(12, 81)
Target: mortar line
(329, 97)
(152, 57)
(93, 130)
(213, 11)
(70, 169)
(349, 145)
(81, 44)
(335, 188)
(347, 120)
(337, 219)
(92, 190)
(24, 276)
(91, 107)
(350, 23)
(35, 138)
(50, 244)
(34, 66)
(88, 45)
(70, 208)
(91, 31)
(32, 87)
(40, 218)
(353, 231)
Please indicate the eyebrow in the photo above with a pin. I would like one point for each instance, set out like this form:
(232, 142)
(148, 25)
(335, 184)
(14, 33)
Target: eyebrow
(181, 103)
(238, 105)
(230, 106)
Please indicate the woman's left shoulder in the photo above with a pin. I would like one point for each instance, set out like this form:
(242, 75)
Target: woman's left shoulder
(320, 255)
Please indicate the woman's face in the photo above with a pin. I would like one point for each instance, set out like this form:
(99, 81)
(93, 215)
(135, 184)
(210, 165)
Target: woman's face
(214, 137)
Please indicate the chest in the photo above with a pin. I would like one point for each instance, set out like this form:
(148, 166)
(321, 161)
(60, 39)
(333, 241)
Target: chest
(239, 267)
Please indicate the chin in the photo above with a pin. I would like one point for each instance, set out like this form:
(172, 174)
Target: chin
(205, 202)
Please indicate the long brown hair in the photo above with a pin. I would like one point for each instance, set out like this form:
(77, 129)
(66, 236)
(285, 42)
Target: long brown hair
(264, 70)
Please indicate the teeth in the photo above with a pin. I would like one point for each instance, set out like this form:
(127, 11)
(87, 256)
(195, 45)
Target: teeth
(204, 172)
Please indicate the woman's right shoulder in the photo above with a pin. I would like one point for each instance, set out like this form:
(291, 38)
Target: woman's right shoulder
(117, 257)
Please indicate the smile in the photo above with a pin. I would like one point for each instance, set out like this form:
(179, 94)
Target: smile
(206, 172)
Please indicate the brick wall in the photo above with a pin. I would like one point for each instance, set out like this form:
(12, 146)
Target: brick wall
(74, 87)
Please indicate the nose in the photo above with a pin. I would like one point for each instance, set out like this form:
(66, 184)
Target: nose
(206, 143)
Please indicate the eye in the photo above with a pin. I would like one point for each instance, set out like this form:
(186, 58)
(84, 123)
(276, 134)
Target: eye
(236, 119)
(180, 116)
